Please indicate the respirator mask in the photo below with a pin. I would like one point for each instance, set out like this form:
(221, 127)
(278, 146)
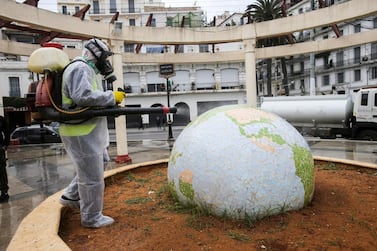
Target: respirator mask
(103, 64)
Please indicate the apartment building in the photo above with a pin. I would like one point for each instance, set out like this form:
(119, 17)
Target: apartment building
(341, 71)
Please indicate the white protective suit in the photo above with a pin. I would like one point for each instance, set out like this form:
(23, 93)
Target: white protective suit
(86, 142)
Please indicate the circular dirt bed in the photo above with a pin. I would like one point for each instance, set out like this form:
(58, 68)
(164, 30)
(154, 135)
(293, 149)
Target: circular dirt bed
(342, 216)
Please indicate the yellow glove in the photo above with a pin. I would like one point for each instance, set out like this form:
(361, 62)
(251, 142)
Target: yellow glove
(119, 96)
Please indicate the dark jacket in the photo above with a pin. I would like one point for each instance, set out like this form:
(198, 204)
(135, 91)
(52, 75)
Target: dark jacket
(4, 132)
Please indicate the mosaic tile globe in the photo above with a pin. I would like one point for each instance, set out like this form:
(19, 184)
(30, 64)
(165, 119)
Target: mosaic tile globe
(241, 162)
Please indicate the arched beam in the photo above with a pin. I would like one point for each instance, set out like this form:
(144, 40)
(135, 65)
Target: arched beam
(51, 21)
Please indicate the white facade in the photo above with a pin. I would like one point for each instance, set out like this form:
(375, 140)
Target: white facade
(341, 71)
(15, 78)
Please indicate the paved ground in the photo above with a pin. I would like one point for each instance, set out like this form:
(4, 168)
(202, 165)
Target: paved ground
(35, 172)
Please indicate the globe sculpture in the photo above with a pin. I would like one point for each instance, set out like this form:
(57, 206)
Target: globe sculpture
(241, 162)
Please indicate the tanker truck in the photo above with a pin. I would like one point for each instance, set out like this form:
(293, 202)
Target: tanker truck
(351, 116)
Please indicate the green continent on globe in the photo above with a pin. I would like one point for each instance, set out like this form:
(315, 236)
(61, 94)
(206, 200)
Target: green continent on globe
(174, 156)
(305, 170)
(173, 191)
(264, 133)
(186, 189)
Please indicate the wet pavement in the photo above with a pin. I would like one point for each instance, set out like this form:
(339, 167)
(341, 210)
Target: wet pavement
(364, 151)
(38, 171)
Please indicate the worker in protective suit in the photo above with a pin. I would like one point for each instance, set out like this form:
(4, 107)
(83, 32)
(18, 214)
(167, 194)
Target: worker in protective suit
(86, 141)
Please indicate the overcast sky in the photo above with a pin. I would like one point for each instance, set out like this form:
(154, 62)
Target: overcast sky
(211, 7)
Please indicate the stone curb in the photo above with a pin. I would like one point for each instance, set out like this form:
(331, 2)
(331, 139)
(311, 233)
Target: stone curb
(346, 161)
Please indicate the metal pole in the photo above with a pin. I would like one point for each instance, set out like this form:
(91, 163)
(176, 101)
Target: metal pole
(312, 91)
(169, 114)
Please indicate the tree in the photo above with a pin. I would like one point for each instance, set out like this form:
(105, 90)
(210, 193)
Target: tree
(264, 10)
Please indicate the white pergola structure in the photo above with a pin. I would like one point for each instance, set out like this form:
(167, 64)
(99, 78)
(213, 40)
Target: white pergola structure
(247, 34)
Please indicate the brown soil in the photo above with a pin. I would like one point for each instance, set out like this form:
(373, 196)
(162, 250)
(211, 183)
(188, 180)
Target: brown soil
(342, 216)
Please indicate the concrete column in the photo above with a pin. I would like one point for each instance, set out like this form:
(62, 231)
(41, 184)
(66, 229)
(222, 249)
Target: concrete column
(312, 75)
(120, 121)
(312, 91)
(143, 80)
(251, 83)
(193, 109)
(192, 77)
(217, 76)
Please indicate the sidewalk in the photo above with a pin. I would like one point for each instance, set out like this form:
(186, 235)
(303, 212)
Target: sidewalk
(38, 171)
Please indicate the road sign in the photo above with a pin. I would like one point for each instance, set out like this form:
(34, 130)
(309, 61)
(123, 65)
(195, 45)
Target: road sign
(167, 70)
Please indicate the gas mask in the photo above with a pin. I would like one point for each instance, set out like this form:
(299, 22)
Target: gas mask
(103, 64)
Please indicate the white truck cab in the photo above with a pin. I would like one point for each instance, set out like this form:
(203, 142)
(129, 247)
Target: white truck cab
(365, 105)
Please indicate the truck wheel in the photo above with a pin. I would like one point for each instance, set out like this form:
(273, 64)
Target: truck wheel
(367, 135)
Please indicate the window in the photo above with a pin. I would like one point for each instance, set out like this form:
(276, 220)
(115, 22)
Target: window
(339, 58)
(129, 47)
(292, 85)
(374, 50)
(357, 28)
(375, 99)
(340, 77)
(77, 9)
(326, 80)
(113, 6)
(169, 21)
(203, 48)
(155, 49)
(14, 87)
(374, 73)
(357, 75)
(302, 67)
(364, 99)
(153, 23)
(157, 87)
(180, 48)
(356, 55)
(95, 7)
(375, 22)
(131, 6)
(132, 22)
(302, 86)
(64, 10)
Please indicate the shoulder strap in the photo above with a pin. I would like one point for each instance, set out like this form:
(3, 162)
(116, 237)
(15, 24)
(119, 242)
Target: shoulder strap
(74, 61)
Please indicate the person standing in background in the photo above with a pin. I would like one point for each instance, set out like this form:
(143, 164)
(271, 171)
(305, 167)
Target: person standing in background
(4, 141)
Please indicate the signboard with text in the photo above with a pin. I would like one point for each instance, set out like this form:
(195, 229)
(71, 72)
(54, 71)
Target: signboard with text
(167, 71)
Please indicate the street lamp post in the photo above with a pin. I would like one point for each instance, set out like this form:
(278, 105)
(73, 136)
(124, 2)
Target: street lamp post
(169, 114)
(167, 71)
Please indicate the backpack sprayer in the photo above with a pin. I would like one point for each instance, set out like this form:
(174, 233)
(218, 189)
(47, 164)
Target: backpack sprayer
(45, 96)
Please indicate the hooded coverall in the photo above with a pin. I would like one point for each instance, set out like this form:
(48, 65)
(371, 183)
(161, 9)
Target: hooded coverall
(86, 142)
